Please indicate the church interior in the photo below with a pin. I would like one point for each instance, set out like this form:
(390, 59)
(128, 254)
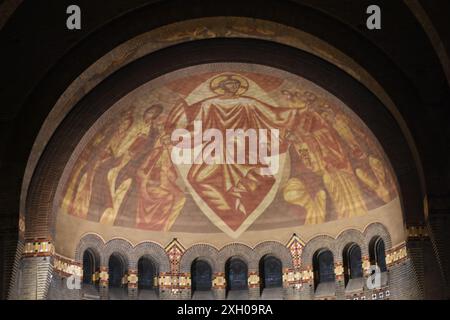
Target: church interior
(225, 150)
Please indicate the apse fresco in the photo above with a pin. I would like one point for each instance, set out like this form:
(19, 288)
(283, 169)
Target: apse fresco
(330, 165)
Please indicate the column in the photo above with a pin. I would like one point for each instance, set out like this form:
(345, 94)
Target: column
(219, 286)
(132, 284)
(439, 226)
(36, 269)
(104, 283)
(340, 281)
(35, 278)
(185, 285)
(306, 285)
(165, 286)
(402, 278)
(254, 288)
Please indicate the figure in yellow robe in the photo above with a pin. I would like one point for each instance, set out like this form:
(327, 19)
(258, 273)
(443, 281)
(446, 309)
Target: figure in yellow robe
(322, 153)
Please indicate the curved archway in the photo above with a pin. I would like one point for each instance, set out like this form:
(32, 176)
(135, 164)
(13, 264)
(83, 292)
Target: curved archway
(147, 271)
(377, 253)
(324, 276)
(352, 263)
(91, 264)
(201, 279)
(236, 274)
(147, 274)
(153, 250)
(270, 272)
(270, 277)
(200, 252)
(117, 268)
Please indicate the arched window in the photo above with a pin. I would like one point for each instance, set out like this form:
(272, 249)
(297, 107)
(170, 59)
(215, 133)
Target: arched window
(236, 274)
(323, 265)
(352, 259)
(90, 266)
(377, 253)
(116, 270)
(146, 273)
(270, 272)
(201, 275)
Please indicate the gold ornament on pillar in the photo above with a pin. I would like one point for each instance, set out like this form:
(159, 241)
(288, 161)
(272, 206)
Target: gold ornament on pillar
(104, 276)
(132, 279)
(219, 281)
(253, 280)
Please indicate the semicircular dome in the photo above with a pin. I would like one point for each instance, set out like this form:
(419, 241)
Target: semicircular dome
(319, 171)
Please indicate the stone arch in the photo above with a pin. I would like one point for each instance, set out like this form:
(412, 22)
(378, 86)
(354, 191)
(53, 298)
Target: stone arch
(275, 249)
(120, 246)
(315, 244)
(351, 236)
(202, 251)
(237, 250)
(152, 250)
(90, 241)
(377, 229)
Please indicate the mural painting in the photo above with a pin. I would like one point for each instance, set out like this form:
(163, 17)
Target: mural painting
(330, 165)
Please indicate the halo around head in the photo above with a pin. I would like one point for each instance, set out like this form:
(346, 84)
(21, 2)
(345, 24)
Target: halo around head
(216, 83)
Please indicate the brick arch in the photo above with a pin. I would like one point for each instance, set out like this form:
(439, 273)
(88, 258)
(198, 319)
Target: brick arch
(237, 250)
(152, 250)
(275, 249)
(351, 236)
(377, 229)
(315, 244)
(90, 241)
(203, 251)
(120, 246)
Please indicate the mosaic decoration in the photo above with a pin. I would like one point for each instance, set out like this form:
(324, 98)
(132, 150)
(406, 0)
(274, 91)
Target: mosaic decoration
(66, 267)
(103, 276)
(396, 255)
(165, 280)
(38, 248)
(366, 265)
(330, 166)
(132, 279)
(417, 232)
(253, 280)
(219, 280)
(339, 271)
(296, 246)
(175, 251)
(174, 280)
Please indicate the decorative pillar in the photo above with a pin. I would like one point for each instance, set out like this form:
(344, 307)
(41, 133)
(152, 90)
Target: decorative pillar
(254, 289)
(219, 286)
(36, 269)
(366, 274)
(132, 284)
(165, 285)
(293, 285)
(306, 276)
(185, 285)
(104, 283)
(339, 281)
(173, 284)
(402, 277)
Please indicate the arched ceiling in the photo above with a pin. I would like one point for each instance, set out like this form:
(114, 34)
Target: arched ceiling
(415, 83)
(328, 165)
